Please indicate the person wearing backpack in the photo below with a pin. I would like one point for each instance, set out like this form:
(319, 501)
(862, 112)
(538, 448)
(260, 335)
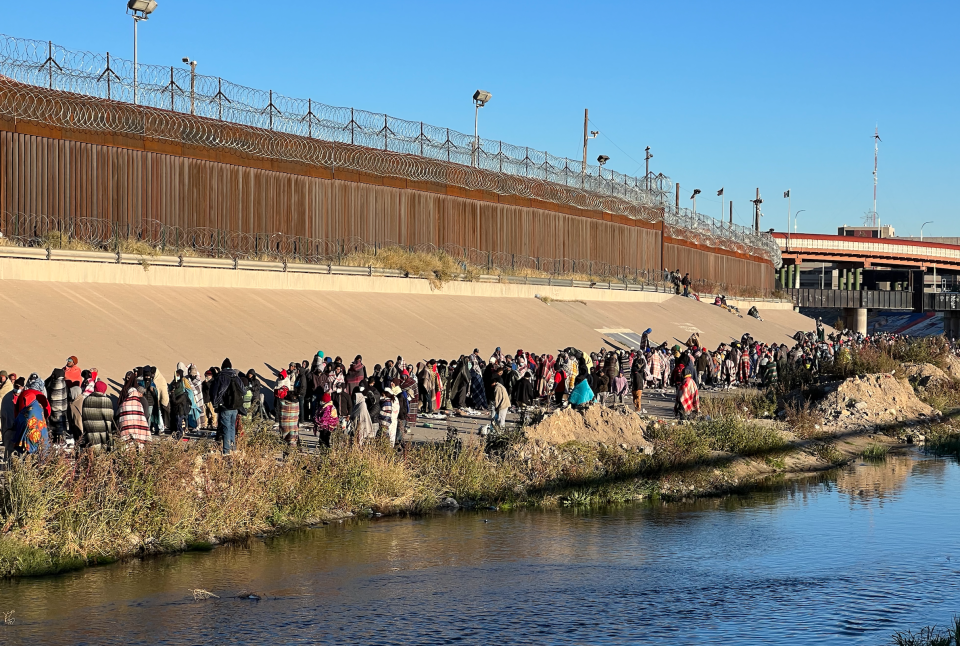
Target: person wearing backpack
(228, 403)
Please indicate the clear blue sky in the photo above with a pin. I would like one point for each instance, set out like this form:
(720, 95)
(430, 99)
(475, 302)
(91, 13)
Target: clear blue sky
(740, 95)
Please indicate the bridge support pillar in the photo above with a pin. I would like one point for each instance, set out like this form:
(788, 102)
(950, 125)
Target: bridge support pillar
(855, 318)
(858, 276)
(951, 324)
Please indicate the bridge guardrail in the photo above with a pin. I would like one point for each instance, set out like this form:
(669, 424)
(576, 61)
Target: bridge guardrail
(844, 298)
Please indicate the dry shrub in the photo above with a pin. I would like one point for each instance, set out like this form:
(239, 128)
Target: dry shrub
(862, 361)
(746, 403)
(829, 453)
(57, 240)
(734, 435)
(172, 495)
(138, 248)
(942, 440)
(930, 349)
(802, 420)
(437, 267)
(945, 397)
(677, 444)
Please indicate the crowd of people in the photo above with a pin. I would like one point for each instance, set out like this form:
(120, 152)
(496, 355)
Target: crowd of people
(73, 409)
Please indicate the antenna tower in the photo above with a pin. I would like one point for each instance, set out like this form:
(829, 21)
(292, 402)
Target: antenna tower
(876, 151)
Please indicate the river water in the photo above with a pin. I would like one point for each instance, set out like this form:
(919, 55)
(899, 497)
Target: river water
(845, 558)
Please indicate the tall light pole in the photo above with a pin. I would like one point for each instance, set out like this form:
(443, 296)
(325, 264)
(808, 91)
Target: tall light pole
(586, 139)
(786, 194)
(693, 197)
(139, 9)
(193, 81)
(921, 228)
(795, 219)
(480, 98)
(646, 175)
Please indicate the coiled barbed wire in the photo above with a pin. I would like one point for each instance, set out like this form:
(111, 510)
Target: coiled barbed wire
(45, 231)
(56, 86)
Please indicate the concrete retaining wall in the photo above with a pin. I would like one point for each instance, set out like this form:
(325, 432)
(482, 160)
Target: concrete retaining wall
(64, 266)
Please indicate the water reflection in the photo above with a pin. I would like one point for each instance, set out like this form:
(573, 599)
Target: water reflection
(843, 557)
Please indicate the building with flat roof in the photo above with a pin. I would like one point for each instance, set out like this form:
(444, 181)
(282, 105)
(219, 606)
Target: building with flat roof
(885, 231)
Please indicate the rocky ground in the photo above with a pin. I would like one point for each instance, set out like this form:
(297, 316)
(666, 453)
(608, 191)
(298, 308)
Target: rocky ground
(873, 401)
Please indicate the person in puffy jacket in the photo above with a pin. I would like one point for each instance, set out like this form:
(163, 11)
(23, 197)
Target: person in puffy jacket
(98, 418)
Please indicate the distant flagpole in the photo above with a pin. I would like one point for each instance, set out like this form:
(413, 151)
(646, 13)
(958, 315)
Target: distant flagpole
(720, 193)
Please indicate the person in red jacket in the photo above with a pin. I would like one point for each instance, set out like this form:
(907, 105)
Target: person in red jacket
(33, 391)
(71, 373)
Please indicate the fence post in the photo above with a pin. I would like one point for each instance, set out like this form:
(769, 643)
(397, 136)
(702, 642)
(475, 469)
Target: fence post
(513, 261)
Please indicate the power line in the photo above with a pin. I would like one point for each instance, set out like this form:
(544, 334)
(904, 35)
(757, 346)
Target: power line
(639, 164)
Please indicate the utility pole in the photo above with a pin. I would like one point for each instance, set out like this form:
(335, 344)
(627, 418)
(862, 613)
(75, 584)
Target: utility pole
(756, 211)
(731, 214)
(587, 136)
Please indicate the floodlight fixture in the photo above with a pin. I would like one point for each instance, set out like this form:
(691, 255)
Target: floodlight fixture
(481, 97)
(142, 7)
(603, 159)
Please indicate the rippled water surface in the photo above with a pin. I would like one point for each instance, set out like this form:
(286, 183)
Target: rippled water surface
(845, 559)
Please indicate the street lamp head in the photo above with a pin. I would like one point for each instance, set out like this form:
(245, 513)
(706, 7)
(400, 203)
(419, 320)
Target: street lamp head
(185, 59)
(603, 159)
(481, 97)
(142, 8)
(696, 192)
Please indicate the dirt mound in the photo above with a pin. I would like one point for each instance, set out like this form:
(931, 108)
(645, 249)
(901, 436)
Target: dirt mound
(595, 424)
(871, 399)
(923, 375)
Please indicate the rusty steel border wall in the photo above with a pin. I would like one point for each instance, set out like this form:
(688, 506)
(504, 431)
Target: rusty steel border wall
(269, 124)
(69, 161)
(107, 186)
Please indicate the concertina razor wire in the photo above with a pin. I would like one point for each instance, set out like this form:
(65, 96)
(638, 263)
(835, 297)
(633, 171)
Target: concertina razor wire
(45, 231)
(65, 88)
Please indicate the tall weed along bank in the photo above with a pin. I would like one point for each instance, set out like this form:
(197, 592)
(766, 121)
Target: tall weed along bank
(61, 512)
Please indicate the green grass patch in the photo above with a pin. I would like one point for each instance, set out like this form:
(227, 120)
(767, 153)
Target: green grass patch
(734, 435)
(876, 452)
(942, 440)
(945, 397)
(747, 403)
(829, 453)
(930, 636)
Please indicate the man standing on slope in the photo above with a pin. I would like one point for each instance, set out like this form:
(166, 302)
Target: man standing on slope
(227, 394)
